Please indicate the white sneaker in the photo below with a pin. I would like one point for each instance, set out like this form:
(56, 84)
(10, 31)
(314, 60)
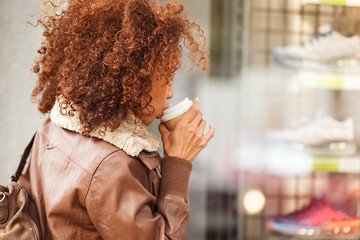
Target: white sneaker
(332, 51)
(322, 131)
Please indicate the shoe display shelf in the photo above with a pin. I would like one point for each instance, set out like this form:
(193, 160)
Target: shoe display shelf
(336, 164)
(290, 177)
(329, 80)
(348, 3)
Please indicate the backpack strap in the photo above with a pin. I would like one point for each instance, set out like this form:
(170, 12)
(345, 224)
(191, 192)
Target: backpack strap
(24, 156)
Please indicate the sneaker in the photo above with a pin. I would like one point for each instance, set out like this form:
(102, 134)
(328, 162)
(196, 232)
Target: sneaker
(324, 132)
(325, 52)
(314, 219)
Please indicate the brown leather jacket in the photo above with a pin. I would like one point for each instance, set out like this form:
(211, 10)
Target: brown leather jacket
(85, 188)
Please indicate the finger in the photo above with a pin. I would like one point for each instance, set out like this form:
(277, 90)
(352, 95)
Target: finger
(209, 135)
(192, 112)
(202, 126)
(197, 120)
(162, 129)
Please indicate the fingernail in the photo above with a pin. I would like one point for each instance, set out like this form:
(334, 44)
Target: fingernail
(197, 99)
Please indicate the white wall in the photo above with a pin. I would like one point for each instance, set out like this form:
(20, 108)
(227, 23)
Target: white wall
(19, 117)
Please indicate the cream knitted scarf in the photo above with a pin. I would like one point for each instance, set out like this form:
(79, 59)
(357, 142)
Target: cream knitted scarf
(132, 136)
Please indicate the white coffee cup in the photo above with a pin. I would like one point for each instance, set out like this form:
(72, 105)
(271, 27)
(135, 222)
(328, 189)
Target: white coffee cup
(175, 111)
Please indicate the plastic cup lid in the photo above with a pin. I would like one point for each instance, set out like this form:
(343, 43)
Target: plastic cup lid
(176, 108)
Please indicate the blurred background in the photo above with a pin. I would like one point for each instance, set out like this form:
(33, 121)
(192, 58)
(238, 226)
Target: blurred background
(284, 162)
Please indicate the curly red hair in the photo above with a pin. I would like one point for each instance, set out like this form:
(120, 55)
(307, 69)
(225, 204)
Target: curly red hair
(101, 55)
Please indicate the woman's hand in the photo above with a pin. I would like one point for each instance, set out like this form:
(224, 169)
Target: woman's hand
(187, 139)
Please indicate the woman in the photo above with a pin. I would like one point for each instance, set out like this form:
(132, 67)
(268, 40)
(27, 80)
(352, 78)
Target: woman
(105, 72)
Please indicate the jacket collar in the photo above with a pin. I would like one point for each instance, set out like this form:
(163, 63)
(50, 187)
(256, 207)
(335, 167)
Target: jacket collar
(131, 136)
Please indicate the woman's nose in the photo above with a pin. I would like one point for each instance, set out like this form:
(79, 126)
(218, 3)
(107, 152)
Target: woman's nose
(170, 91)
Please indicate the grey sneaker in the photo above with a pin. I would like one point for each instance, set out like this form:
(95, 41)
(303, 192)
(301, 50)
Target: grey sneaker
(324, 132)
(330, 52)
